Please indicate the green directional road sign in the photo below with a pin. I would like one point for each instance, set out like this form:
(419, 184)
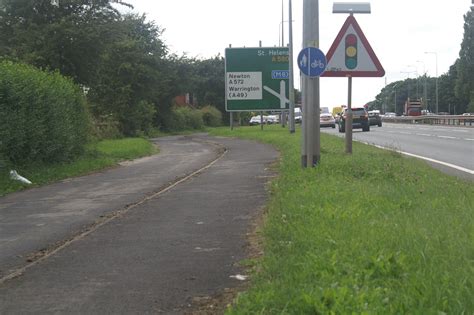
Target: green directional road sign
(257, 79)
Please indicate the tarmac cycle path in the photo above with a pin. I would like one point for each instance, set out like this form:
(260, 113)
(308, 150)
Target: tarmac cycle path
(147, 237)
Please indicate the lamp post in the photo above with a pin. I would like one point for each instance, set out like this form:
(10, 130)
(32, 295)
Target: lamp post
(395, 99)
(292, 78)
(311, 146)
(417, 75)
(281, 36)
(436, 55)
(408, 81)
(425, 97)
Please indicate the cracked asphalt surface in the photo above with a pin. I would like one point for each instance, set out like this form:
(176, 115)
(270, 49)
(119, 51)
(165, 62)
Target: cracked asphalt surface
(142, 251)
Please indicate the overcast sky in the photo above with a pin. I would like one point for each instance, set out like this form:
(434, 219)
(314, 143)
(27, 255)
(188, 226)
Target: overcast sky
(399, 31)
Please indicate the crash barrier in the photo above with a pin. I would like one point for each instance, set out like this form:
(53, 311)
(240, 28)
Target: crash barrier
(453, 120)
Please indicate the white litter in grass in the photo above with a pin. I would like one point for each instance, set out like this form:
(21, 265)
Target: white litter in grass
(239, 277)
(15, 176)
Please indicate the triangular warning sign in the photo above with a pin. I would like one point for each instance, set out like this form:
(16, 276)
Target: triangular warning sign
(351, 55)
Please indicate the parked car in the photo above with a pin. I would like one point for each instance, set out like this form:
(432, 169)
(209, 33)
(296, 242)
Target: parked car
(360, 119)
(374, 118)
(327, 120)
(298, 115)
(255, 120)
(272, 119)
(390, 114)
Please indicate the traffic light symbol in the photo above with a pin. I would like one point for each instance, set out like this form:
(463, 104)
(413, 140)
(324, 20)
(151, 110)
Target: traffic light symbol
(351, 51)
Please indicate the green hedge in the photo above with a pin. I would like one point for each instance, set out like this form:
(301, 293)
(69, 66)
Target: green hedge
(43, 116)
(183, 118)
(211, 116)
(186, 118)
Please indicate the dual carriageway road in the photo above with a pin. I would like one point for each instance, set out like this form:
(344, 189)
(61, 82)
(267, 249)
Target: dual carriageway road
(448, 148)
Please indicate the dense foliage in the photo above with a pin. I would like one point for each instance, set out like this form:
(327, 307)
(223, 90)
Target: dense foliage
(211, 116)
(43, 116)
(455, 88)
(120, 59)
(464, 86)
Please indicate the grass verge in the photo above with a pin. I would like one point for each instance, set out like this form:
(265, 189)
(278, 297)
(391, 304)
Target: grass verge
(367, 233)
(98, 156)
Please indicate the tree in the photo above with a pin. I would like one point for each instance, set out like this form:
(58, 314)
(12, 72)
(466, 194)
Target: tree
(204, 78)
(209, 82)
(134, 74)
(121, 59)
(448, 102)
(69, 38)
(464, 86)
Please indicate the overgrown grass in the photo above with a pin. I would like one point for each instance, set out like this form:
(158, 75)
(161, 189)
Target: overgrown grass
(99, 155)
(367, 233)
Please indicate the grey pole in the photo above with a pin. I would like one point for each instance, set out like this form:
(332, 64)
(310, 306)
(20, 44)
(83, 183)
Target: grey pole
(282, 25)
(437, 109)
(436, 56)
(349, 117)
(261, 113)
(283, 114)
(231, 113)
(292, 78)
(311, 151)
(395, 100)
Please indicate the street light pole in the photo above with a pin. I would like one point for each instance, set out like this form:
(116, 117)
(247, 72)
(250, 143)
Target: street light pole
(311, 146)
(425, 97)
(436, 56)
(292, 78)
(395, 99)
(283, 113)
(408, 81)
(282, 23)
(417, 77)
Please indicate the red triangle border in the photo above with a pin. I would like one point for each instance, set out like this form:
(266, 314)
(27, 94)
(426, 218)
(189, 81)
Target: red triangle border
(380, 72)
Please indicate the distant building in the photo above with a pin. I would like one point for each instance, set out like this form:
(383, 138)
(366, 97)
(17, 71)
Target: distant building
(184, 100)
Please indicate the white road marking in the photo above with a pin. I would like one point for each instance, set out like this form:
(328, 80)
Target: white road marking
(424, 134)
(446, 137)
(457, 167)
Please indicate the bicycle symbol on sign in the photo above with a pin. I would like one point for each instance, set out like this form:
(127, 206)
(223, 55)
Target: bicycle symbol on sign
(318, 64)
(312, 61)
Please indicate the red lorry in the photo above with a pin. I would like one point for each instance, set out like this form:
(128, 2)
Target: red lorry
(413, 107)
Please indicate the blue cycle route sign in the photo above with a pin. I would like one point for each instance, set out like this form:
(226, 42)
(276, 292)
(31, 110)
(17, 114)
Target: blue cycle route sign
(312, 62)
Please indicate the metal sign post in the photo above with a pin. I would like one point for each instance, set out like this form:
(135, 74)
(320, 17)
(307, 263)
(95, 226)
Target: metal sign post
(350, 56)
(349, 117)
